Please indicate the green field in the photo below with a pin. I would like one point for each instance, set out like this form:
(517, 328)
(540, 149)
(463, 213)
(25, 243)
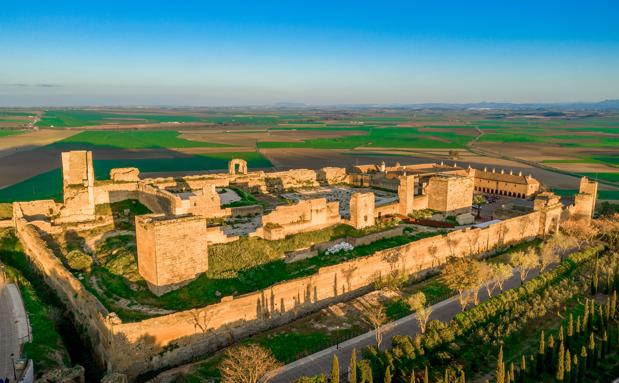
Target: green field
(612, 177)
(390, 137)
(49, 184)
(5, 133)
(133, 139)
(77, 118)
(602, 194)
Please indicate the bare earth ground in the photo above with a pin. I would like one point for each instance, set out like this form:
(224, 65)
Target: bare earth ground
(43, 159)
(26, 141)
(586, 168)
(541, 151)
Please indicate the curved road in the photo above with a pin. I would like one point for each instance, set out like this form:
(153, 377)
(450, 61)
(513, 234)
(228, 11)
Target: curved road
(320, 362)
(9, 338)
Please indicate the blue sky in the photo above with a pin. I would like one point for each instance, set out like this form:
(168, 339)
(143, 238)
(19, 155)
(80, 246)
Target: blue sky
(318, 52)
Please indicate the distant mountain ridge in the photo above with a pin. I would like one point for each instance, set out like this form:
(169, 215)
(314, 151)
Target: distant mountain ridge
(606, 105)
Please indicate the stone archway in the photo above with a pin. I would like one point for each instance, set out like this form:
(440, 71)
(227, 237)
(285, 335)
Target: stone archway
(237, 166)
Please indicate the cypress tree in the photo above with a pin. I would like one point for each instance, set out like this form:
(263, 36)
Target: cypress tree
(462, 378)
(601, 315)
(575, 372)
(412, 379)
(512, 371)
(584, 362)
(613, 305)
(607, 310)
(568, 365)
(591, 315)
(426, 376)
(335, 369)
(388, 375)
(561, 337)
(523, 369)
(570, 331)
(604, 344)
(500, 368)
(592, 352)
(352, 374)
(560, 364)
(585, 318)
(540, 353)
(550, 355)
(578, 325)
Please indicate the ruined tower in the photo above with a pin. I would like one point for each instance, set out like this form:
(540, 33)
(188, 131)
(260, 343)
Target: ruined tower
(78, 187)
(171, 251)
(550, 207)
(361, 210)
(584, 201)
(406, 191)
(237, 165)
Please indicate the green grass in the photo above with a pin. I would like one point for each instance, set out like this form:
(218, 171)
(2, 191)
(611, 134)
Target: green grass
(612, 177)
(133, 139)
(49, 185)
(602, 194)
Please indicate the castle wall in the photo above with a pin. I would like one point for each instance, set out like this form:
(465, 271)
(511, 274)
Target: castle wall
(84, 307)
(207, 329)
(77, 187)
(295, 178)
(306, 215)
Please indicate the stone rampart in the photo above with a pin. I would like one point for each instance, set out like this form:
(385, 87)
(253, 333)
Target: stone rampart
(84, 307)
(172, 339)
(306, 215)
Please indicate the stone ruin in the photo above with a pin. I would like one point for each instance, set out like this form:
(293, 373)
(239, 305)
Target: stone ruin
(172, 243)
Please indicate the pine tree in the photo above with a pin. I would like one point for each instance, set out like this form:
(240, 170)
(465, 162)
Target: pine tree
(560, 364)
(352, 374)
(335, 369)
(388, 375)
(426, 376)
(500, 368)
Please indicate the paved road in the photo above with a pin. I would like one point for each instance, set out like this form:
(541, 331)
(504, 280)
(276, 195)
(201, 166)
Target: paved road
(9, 340)
(320, 362)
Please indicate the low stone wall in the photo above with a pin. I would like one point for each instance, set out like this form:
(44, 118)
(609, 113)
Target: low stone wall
(110, 192)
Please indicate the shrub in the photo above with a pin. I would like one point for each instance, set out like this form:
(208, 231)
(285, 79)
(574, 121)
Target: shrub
(77, 260)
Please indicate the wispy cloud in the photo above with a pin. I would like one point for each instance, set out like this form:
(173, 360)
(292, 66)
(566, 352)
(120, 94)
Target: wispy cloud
(25, 85)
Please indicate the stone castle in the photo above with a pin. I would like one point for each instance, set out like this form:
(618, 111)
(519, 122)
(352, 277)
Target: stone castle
(172, 242)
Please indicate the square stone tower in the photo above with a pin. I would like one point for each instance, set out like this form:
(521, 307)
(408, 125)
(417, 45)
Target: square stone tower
(406, 191)
(450, 194)
(362, 210)
(171, 251)
(78, 186)
(585, 200)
